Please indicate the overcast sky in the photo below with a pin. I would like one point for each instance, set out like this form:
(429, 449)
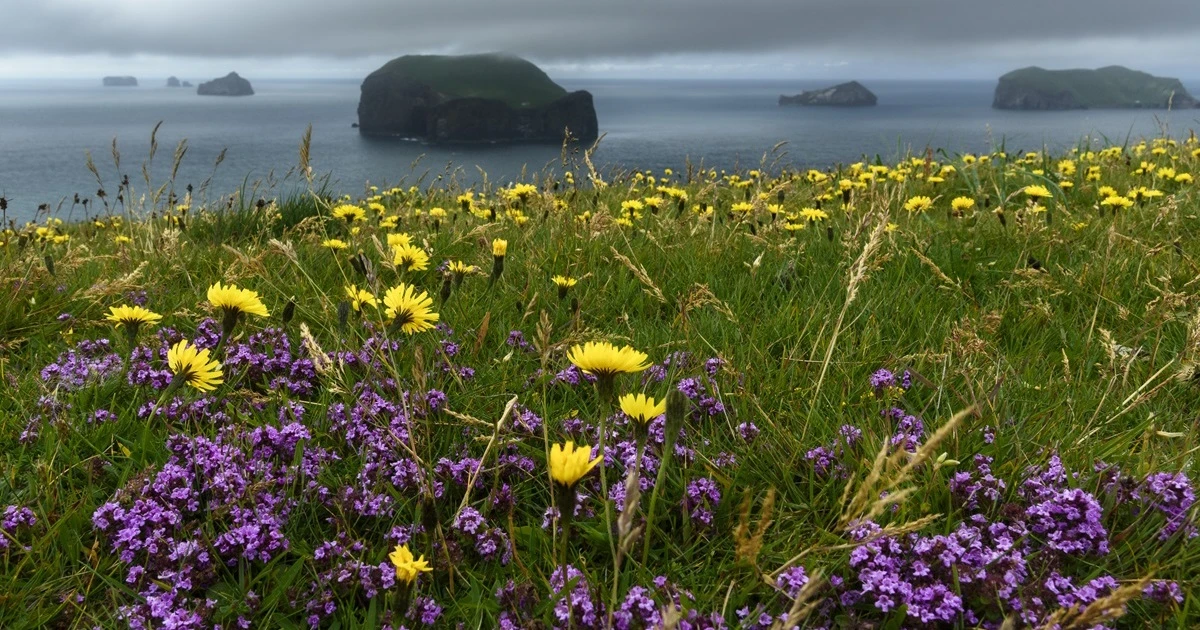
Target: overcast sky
(861, 39)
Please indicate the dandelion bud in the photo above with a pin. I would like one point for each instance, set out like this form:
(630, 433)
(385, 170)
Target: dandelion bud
(50, 264)
(846, 196)
(356, 261)
(779, 196)
(343, 314)
(497, 267)
(677, 407)
(447, 280)
(289, 310)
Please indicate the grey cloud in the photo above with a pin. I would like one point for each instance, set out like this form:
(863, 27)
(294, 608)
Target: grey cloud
(572, 30)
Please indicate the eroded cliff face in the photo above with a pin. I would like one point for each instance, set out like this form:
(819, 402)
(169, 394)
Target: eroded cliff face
(1014, 95)
(391, 106)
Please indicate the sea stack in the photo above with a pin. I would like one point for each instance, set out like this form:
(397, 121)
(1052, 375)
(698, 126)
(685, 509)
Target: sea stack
(851, 94)
(1111, 87)
(228, 85)
(173, 82)
(488, 98)
(120, 81)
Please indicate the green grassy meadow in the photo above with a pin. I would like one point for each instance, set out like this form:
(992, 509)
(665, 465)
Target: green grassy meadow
(1027, 458)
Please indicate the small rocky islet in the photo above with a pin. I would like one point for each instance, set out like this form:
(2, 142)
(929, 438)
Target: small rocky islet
(229, 85)
(849, 94)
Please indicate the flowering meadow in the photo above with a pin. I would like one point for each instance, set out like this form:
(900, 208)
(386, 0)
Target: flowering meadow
(949, 391)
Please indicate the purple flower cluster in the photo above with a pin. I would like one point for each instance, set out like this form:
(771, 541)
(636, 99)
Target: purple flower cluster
(973, 490)
(88, 363)
(516, 339)
(214, 502)
(1172, 495)
(15, 518)
(491, 543)
(701, 500)
(578, 604)
(826, 460)
(267, 360)
(884, 379)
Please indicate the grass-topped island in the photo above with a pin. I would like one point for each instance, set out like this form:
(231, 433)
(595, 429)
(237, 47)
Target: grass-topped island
(472, 99)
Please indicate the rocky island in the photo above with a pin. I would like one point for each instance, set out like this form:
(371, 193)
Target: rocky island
(228, 85)
(1111, 87)
(472, 99)
(173, 82)
(120, 81)
(851, 94)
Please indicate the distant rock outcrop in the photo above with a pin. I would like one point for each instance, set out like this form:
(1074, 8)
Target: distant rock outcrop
(851, 94)
(1112, 87)
(186, 84)
(228, 85)
(173, 82)
(120, 81)
(472, 99)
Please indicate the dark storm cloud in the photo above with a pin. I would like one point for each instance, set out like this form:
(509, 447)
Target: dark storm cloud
(569, 30)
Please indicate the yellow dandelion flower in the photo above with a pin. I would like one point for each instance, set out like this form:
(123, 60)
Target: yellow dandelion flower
(565, 282)
(411, 257)
(962, 204)
(569, 464)
(604, 359)
(1117, 201)
(409, 310)
(132, 316)
(499, 247)
(920, 203)
(1037, 192)
(349, 213)
(360, 297)
(813, 214)
(334, 244)
(398, 239)
(234, 301)
(642, 408)
(193, 366)
(407, 566)
(461, 268)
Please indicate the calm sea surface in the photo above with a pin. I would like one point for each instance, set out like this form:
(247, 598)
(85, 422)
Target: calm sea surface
(46, 127)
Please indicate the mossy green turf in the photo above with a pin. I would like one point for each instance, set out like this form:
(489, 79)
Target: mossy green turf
(506, 78)
(1028, 346)
(1110, 86)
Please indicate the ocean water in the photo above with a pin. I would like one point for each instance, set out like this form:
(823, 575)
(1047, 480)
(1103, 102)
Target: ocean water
(47, 127)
